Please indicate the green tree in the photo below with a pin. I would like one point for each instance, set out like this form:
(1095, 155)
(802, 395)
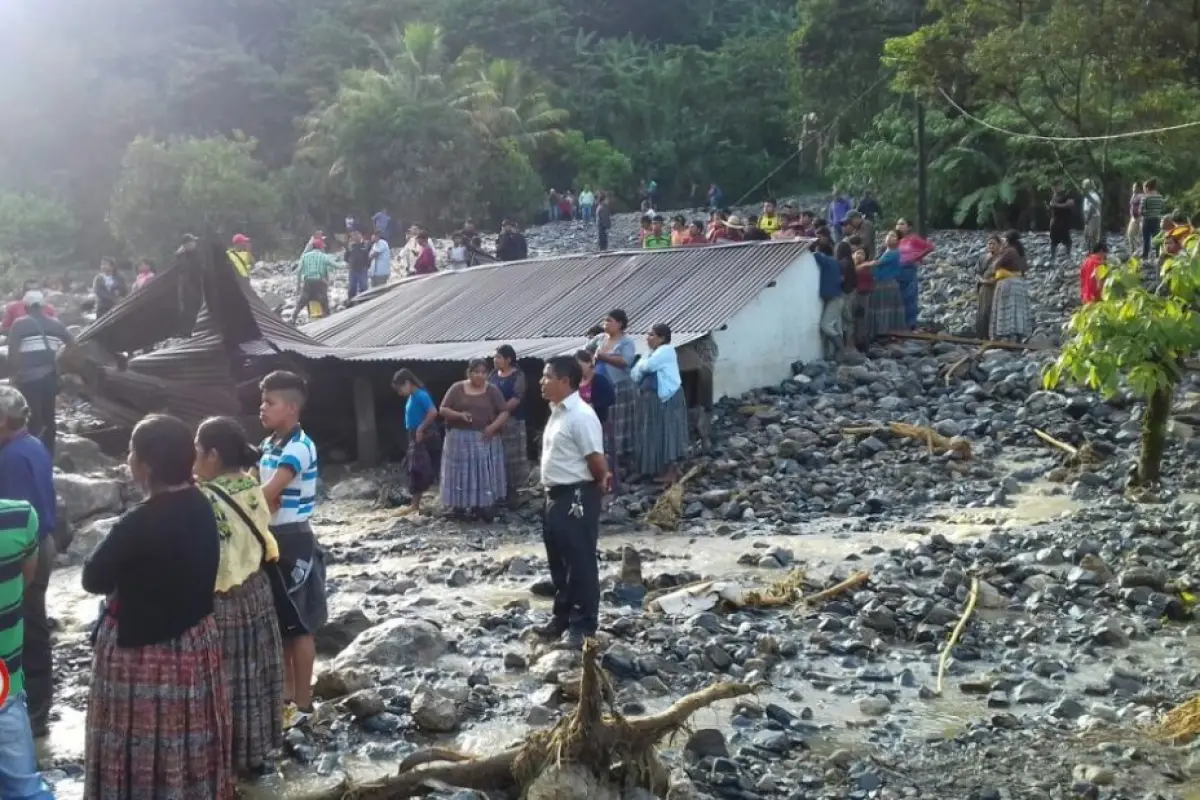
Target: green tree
(206, 186)
(37, 233)
(1137, 338)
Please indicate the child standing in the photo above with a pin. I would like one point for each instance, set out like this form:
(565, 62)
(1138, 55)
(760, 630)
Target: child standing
(288, 471)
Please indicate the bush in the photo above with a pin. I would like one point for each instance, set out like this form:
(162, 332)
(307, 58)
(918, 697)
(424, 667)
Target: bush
(210, 186)
(37, 234)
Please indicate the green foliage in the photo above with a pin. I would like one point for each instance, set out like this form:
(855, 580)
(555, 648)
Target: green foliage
(577, 162)
(206, 186)
(1137, 338)
(36, 233)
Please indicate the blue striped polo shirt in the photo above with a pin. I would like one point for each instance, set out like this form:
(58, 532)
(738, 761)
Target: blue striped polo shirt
(297, 452)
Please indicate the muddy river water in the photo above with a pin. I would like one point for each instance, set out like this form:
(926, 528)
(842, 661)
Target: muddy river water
(820, 548)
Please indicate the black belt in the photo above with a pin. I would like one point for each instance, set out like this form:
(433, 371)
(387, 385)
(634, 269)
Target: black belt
(566, 488)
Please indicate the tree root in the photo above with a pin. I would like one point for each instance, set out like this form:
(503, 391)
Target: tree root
(618, 751)
(972, 599)
(669, 507)
(853, 582)
(932, 439)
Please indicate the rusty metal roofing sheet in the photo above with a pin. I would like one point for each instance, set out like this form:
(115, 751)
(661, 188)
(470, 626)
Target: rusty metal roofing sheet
(695, 289)
(453, 351)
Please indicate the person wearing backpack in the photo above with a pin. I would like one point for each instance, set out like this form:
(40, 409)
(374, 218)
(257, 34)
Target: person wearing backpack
(33, 346)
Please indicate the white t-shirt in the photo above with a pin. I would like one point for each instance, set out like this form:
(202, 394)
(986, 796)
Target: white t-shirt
(572, 434)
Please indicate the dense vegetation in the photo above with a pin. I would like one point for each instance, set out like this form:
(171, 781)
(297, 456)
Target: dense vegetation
(130, 121)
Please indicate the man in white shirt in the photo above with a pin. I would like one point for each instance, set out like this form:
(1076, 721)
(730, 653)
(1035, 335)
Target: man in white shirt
(575, 476)
(381, 260)
(1092, 228)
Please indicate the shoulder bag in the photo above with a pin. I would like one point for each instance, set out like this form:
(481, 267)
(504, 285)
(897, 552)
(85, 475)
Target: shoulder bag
(285, 607)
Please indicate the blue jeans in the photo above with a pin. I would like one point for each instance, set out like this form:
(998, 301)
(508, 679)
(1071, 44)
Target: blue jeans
(19, 778)
(585, 213)
(554, 213)
(359, 282)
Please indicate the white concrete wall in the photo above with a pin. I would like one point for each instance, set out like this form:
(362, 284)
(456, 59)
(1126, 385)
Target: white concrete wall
(781, 325)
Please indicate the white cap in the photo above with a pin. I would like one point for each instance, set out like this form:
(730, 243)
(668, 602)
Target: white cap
(33, 298)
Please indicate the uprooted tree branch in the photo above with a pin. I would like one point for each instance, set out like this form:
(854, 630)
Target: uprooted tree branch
(588, 754)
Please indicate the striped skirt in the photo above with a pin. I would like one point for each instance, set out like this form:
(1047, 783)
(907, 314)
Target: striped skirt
(473, 473)
(983, 314)
(516, 454)
(610, 454)
(623, 417)
(1010, 310)
(252, 663)
(664, 432)
(158, 721)
(885, 310)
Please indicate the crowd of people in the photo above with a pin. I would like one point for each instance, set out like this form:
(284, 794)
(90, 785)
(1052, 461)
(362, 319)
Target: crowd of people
(474, 443)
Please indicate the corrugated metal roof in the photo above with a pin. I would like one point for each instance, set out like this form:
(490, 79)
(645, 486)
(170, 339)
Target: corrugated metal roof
(694, 289)
(452, 351)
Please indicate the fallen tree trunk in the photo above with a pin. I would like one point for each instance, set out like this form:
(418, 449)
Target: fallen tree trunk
(945, 337)
(613, 752)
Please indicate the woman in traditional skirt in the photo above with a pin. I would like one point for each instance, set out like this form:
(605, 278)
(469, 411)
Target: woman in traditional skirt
(597, 391)
(615, 351)
(158, 719)
(662, 408)
(1011, 320)
(864, 284)
(885, 309)
(511, 382)
(423, 455)
(987, 287)
(473, 472)
(244, 608)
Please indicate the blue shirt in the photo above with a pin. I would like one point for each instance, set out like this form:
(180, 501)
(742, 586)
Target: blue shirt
(297, 453)
(382, 221)
(831, 276)
(381, 259)
(416, 409)
(888, 266)
(663, 364)
(27, 473)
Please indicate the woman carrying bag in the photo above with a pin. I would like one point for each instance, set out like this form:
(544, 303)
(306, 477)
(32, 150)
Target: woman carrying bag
(247, 602)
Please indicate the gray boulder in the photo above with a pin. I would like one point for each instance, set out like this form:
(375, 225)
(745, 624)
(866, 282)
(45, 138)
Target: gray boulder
(84, 497)
(395, 643)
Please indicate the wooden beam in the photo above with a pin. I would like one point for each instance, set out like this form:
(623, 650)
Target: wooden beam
(945, 337)
(364, 422)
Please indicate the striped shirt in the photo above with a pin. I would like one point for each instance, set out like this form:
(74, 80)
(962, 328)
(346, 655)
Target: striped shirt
(298, 453)
(1153, 206)
(315, 265)
(18, 542)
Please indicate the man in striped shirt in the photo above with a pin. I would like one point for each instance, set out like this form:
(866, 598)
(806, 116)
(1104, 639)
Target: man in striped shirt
(288, 471)
(1153, 207)
(313, 275)
(18, 562)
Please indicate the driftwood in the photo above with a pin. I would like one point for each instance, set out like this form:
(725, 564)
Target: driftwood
(853, 582)
(945, 337)
(932, 439)
(1076, 456)
(669, 508)
(617, 751)
(952, 370)
(972, 599)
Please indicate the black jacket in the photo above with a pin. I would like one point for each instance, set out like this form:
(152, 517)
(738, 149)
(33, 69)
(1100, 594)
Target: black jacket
(358, 256)
(511, 247)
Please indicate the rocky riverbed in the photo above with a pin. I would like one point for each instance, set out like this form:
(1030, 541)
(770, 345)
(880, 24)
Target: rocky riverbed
(1082, 638)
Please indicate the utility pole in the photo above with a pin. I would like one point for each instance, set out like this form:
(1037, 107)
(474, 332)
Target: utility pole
(922, 173)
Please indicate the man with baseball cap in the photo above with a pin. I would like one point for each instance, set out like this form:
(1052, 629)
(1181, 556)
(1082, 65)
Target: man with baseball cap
(240, 255)
(34, 342)
(27, 477)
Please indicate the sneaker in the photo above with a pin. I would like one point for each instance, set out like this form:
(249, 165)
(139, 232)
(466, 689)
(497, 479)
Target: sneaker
(293, 717)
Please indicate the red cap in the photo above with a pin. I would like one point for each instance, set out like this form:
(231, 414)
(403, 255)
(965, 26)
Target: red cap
(318, 243)
(240, 239)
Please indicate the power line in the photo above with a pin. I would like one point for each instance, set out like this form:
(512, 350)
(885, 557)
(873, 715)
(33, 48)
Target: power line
(1040, 138)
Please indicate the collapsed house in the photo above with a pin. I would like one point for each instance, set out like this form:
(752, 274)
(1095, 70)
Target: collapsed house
(740, 314)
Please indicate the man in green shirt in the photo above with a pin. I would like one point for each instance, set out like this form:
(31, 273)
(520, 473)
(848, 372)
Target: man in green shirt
(18, 563)
(313, 274)
(656, 239)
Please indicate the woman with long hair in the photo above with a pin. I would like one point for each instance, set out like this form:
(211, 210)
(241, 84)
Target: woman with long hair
(614, 352)
(510, 380)
(987, 287)
(885, 312)
(158, 717)
(244, 607)
(662, 408)
(423, 455)
(473, 470)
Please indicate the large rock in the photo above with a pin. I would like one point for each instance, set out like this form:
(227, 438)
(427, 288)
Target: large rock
(355, 489)
(84, 497)
(434, 712)
(395, 643)
(87, 537)
(334, 683)
(346, 622)
(80, 454)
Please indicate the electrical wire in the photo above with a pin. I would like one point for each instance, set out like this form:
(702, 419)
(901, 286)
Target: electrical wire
(1041, 138)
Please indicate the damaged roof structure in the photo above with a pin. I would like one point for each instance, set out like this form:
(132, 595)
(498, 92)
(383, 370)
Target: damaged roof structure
(740, 315)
